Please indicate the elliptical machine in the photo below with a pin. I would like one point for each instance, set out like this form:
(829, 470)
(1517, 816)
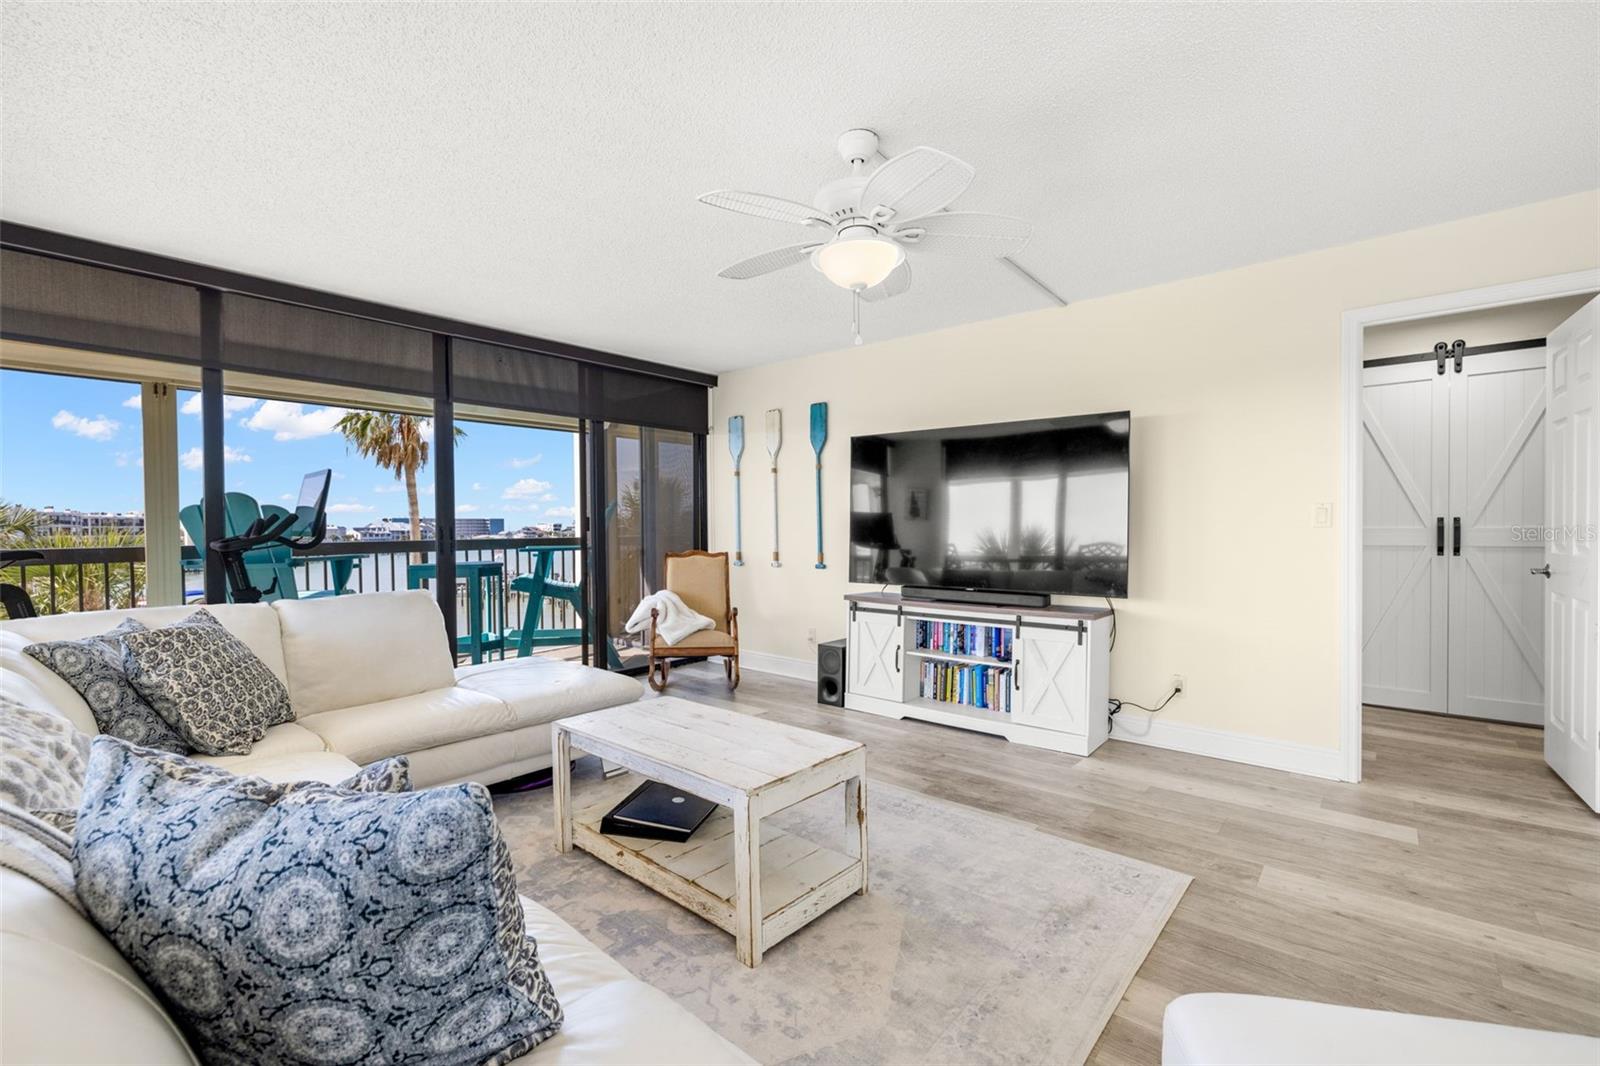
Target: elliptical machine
(309, 517)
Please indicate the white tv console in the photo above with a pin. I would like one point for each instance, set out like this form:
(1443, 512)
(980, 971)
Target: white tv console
(1057, 675)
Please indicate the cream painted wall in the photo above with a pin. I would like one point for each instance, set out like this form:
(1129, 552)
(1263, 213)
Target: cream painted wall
(1497, 325)
(1232, 379)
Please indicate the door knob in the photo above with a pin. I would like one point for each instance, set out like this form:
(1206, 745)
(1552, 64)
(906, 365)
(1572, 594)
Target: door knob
(1543, 570)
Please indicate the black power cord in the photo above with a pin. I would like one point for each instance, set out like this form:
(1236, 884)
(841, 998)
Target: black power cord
(1114, 705)
(1112, 644)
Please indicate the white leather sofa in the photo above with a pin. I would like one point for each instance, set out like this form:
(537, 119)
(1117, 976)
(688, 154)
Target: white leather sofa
(70, 998)
(369, 676)
(1218, 1029)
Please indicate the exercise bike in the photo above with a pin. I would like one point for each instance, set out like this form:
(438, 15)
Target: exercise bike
(309, 516)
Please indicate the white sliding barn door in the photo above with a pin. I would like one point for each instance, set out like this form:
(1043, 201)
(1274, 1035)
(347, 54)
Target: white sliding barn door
(1404, 577)
(1497, 477)
(1571, 576)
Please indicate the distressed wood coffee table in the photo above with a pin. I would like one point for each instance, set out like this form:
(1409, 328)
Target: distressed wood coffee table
(760, 884)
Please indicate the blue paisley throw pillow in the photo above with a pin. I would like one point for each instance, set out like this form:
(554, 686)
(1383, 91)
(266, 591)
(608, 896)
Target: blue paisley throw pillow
(308, 923)
(94, 667)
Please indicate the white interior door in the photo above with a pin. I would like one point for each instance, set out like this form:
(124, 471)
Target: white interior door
(1571, 576)
(1404, 503)
(1497, 478)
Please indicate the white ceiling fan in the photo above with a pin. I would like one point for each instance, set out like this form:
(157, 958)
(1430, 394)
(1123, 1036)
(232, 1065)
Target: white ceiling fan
(872, 219)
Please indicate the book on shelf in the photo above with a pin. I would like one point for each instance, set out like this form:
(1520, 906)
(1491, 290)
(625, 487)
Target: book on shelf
(954, 638)
(981, 685)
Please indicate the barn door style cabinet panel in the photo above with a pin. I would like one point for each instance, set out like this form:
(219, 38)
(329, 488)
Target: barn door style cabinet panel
(1034, 675)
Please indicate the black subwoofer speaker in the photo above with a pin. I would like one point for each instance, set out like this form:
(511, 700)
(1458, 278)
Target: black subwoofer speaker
(830, 673)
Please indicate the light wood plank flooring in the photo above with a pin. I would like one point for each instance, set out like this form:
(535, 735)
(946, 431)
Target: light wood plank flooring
(1461, 878)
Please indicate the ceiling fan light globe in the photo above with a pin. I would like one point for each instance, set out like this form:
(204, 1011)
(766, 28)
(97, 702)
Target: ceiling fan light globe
(858, 262)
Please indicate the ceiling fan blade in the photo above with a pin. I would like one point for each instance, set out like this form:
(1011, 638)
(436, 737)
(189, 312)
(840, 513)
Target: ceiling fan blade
(767, 262)
(914, 183)
(775, 208)
(898, 281)
(973, 233)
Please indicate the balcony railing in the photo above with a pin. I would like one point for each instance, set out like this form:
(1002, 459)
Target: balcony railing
(92, 579)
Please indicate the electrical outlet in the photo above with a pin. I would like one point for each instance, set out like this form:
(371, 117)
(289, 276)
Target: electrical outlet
(1322, 516)
(811, 637)
(1177, 682)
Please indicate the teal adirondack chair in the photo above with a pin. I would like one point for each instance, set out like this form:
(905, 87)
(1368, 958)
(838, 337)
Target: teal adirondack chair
(539, 586)
(263, 565)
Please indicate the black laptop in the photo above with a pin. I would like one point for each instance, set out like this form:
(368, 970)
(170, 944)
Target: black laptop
(657, 812)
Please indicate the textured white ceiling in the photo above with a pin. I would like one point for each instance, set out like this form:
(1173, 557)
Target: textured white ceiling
(535, 167)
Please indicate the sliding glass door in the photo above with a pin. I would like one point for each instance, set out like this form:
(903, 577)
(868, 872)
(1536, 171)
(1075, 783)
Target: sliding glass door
(652, 480)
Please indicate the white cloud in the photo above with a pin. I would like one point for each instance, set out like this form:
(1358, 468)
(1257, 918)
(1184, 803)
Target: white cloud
(195, 459)
(292, 421)
(97, 428)
(518, 464)
(231, 405)
(527, 488)
(130, 459)
(348, 508)
(548, 497)
(425, 427)
(477, 486)
(136, 401)
(560, 512)
(466, 508)
(391, 487)
(287, 496)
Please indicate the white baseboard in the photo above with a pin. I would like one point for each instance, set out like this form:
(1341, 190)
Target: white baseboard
(782, 665)
(1234, 747)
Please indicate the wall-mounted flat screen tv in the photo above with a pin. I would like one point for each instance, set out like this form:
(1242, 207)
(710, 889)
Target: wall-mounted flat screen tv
(1036, 506)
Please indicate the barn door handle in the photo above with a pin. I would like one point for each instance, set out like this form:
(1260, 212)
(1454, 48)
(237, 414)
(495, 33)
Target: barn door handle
(897, 658)
(1438, 537)
(1455, 548)
(1543, 571)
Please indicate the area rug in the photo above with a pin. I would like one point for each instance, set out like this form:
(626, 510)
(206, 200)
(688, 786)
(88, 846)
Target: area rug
(982, 939)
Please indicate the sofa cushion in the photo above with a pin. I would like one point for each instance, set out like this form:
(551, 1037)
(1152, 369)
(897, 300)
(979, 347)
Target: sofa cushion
(1213, 1027)
(539, 691)
(328, 767)
(32, 684)
(346, 651)
(62, 973)
(312, 923)
(94, 667)
(254, 623)
(207, 684)
(285, 738)
(596, 992)
(410, 723)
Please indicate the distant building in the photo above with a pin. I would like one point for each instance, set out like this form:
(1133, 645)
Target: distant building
(480, 527)
(89, 523)
(392, 529)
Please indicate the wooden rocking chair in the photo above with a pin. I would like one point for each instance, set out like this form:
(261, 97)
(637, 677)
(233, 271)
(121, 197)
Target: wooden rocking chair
(701, 580)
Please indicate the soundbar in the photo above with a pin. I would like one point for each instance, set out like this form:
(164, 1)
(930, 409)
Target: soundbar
(985, 597)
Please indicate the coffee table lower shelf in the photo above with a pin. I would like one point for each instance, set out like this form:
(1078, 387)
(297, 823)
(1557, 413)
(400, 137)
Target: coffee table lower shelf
(799, 879)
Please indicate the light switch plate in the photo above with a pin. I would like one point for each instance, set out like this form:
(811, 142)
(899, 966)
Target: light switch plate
(1322, 516)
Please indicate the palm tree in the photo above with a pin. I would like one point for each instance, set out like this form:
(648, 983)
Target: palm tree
(19, 525)
(395, 442)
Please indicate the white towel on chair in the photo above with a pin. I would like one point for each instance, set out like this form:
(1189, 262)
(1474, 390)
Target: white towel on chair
(674, 618)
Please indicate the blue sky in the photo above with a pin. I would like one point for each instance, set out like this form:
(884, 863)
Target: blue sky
(77, 442)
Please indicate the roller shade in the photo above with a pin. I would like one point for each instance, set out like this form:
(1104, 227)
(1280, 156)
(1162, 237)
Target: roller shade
(622, 396)
(265, 337)
(52, 301)
(496, 376)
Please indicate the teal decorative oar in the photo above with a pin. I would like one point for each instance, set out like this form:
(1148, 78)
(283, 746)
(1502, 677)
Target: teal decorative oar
(819, 437)
(736, 448)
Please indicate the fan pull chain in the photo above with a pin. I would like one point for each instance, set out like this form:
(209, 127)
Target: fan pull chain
(855, 313)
